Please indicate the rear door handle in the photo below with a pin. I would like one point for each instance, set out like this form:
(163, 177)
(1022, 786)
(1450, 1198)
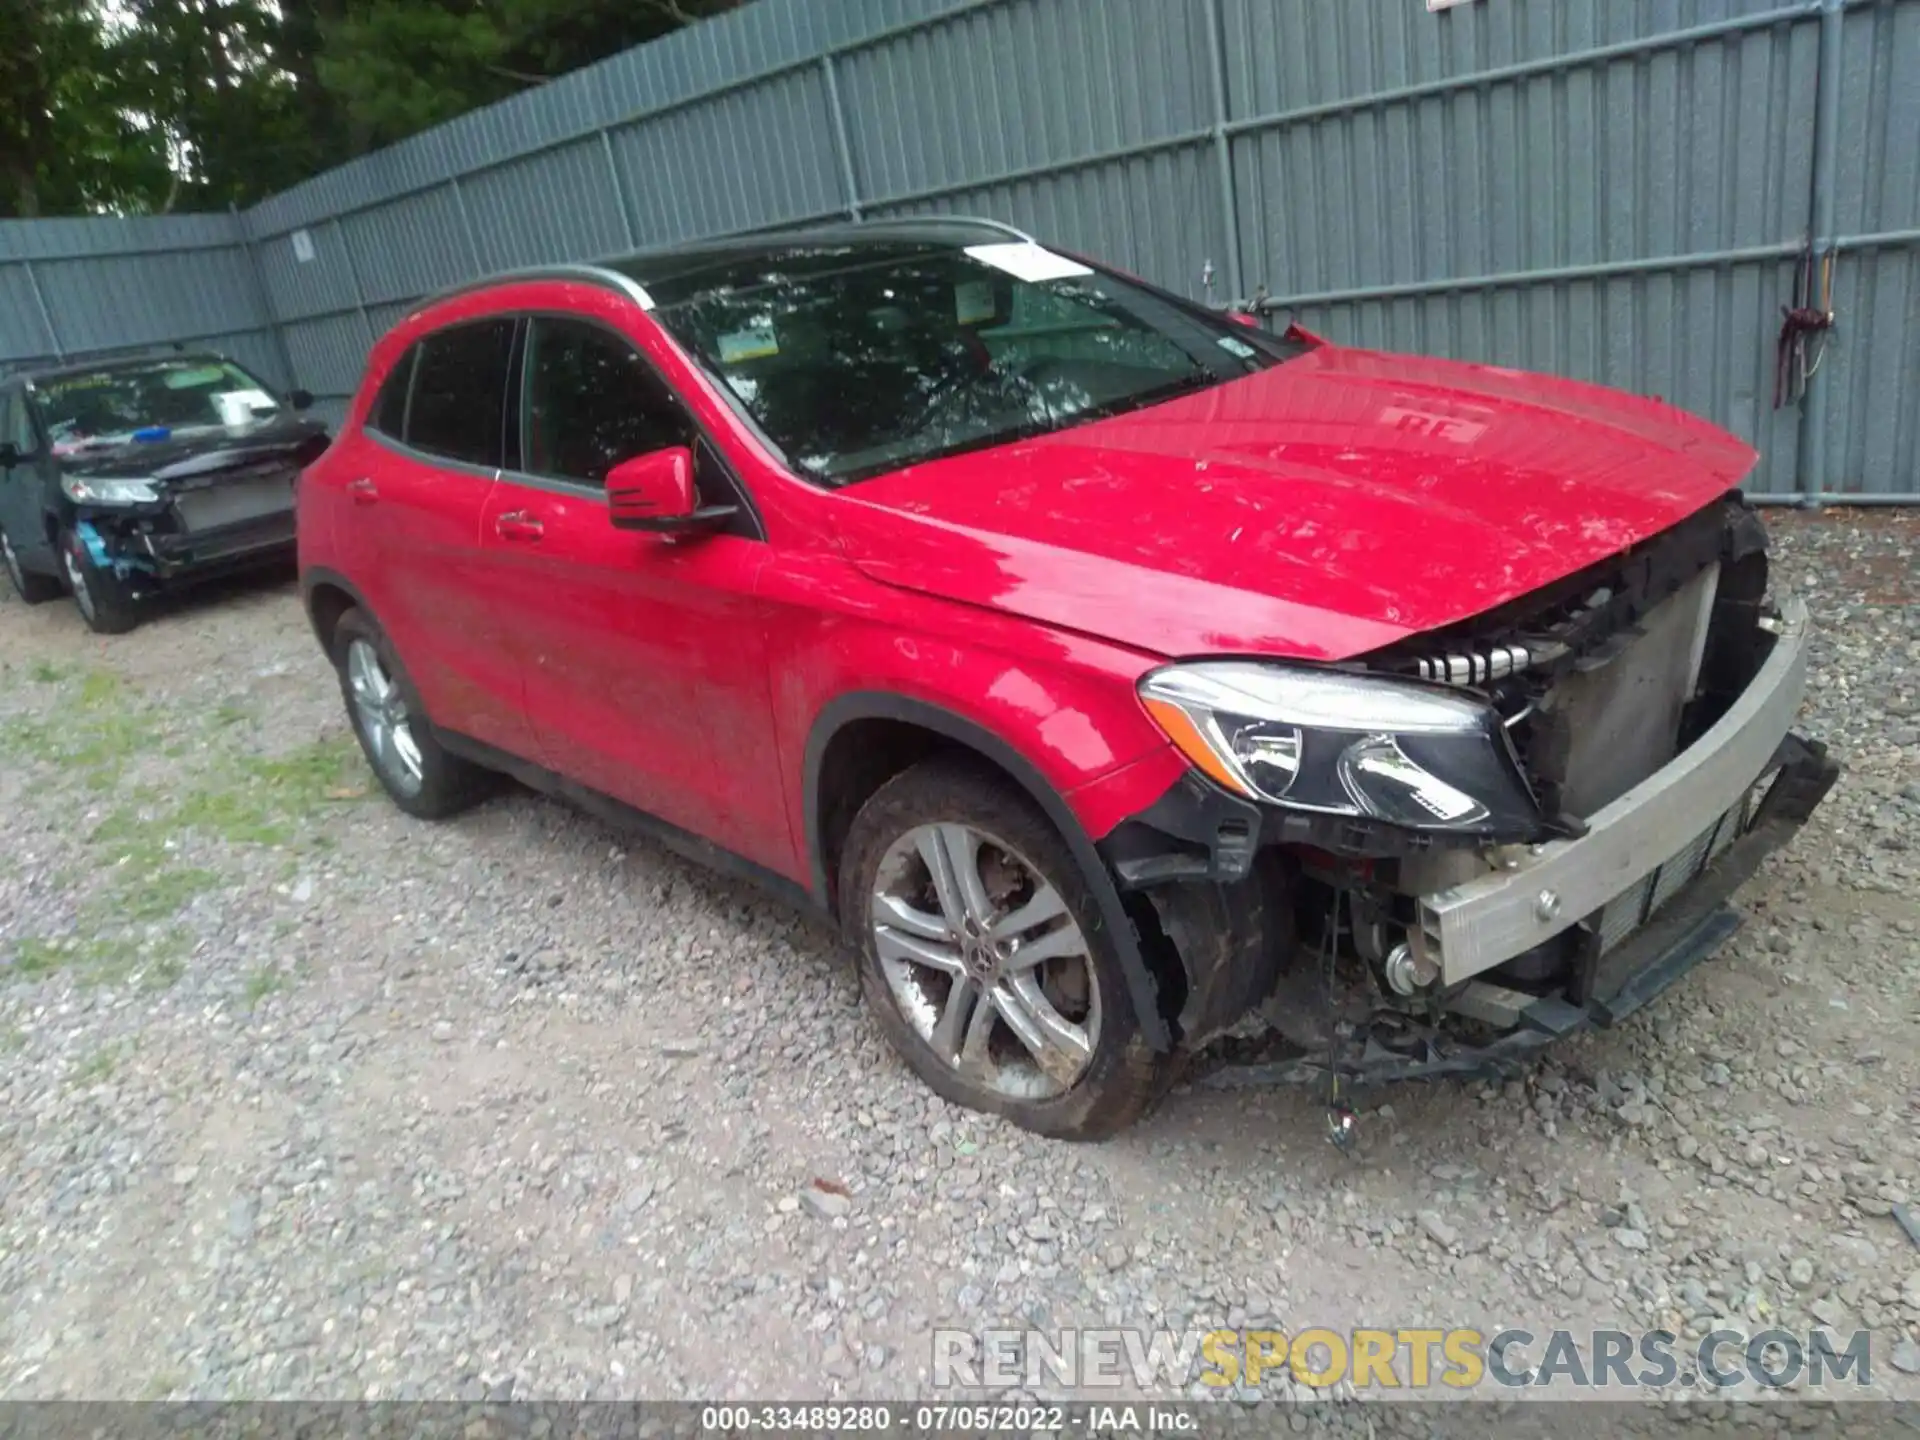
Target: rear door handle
(363, 491)
(518, 525)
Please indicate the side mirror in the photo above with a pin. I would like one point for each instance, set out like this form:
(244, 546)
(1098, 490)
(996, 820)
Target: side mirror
(655, 492)
(9, 454)
(300, 399)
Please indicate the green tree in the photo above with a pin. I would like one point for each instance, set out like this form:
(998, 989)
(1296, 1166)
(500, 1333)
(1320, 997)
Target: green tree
(208, 72)
(396, 67)
(153, 105)
(72, 136)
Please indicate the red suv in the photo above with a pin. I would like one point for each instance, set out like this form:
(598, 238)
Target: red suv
(1116, 672)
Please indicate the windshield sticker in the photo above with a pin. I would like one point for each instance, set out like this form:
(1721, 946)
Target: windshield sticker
(192, 379)
(973, 301)
(243, 407)
(1025, 260)
(1236, 347)
(756, 342)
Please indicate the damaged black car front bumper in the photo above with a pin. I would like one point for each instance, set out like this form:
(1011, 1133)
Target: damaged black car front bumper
(196, 531)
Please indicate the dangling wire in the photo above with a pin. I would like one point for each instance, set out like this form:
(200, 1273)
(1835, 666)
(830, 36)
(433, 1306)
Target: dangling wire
(1811, 313)
(1341, 1121)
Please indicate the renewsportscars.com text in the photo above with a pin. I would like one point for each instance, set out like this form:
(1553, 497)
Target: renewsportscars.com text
(1408, 1358)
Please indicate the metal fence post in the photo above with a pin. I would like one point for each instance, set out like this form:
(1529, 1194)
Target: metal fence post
(466, 224)
(1223, 150)
(1814, 478)
(848, 183)
(263, 297)
(353, 280)
(46, 315)
(619, 190)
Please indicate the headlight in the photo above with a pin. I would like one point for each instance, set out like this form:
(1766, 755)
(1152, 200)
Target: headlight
(1355, 745)
(95, 490)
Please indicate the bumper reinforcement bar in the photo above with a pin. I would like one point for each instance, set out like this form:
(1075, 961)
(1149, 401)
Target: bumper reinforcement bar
(1689, 929)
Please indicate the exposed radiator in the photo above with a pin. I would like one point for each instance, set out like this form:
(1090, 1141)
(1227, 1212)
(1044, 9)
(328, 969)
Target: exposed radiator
(1632, 908)
(1611, 722)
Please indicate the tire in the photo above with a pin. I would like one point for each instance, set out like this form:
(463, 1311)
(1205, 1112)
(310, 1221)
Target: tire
(33, 589)
(421, 777)
(1087, 1088)
(102, 598)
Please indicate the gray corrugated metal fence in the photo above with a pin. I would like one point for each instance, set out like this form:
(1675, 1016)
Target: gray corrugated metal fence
(1618, 192)
(73, 288)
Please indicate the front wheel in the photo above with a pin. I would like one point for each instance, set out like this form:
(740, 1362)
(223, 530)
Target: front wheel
(100, 596)
(983, 958)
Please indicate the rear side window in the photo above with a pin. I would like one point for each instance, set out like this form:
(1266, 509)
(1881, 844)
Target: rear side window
(459, 392)
(389, 413)
(19, 424)
(592, 401)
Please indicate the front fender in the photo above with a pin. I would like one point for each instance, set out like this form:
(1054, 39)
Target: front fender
(874, 704)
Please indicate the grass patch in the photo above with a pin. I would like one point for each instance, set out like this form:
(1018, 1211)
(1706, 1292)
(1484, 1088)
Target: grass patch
(99, 959)
(92, 734)
(144, 883)
(98, 1066)
(130, 823)
(161, 894)
(263, 982)
(162, 972)
(45, 672)
(273, 801)
(101, 690)
(93, 739)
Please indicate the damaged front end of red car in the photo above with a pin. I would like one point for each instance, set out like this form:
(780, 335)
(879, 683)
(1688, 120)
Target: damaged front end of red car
(1542, 839)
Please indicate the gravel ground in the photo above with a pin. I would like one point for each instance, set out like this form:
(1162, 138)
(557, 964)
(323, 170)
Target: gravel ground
(299, 1097)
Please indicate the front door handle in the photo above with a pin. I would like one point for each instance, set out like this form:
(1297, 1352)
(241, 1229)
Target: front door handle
(363, 491)
(518, 525)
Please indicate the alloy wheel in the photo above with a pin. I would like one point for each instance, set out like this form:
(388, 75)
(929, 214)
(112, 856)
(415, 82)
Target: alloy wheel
(15, 576)
(77, 581)
(382, 713)
(985, 961)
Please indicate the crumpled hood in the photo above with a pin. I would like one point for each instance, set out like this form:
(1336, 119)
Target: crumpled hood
(1320, 509)
(193, 454)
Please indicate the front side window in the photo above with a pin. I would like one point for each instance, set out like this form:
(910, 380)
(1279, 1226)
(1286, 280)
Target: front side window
(459, 392)
(592, 400)
(106, 406)
(856, 359)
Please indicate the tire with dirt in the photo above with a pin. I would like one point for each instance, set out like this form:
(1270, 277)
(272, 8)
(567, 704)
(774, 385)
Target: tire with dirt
(101, 597)
(31, 588)
(422, 778)
(983, 957)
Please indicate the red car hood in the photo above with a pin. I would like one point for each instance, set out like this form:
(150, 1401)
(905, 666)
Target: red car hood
(1319, 509)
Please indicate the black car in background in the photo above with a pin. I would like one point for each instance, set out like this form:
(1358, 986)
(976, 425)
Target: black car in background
(120, 479)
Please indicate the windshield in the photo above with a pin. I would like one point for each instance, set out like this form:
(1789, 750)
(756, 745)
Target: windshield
(855, 360)
(109, 405)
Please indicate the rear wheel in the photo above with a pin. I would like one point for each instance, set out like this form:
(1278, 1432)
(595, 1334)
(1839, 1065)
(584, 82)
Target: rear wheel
(100, 596)
(983, 958)
(33, 589)
(420, 776)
